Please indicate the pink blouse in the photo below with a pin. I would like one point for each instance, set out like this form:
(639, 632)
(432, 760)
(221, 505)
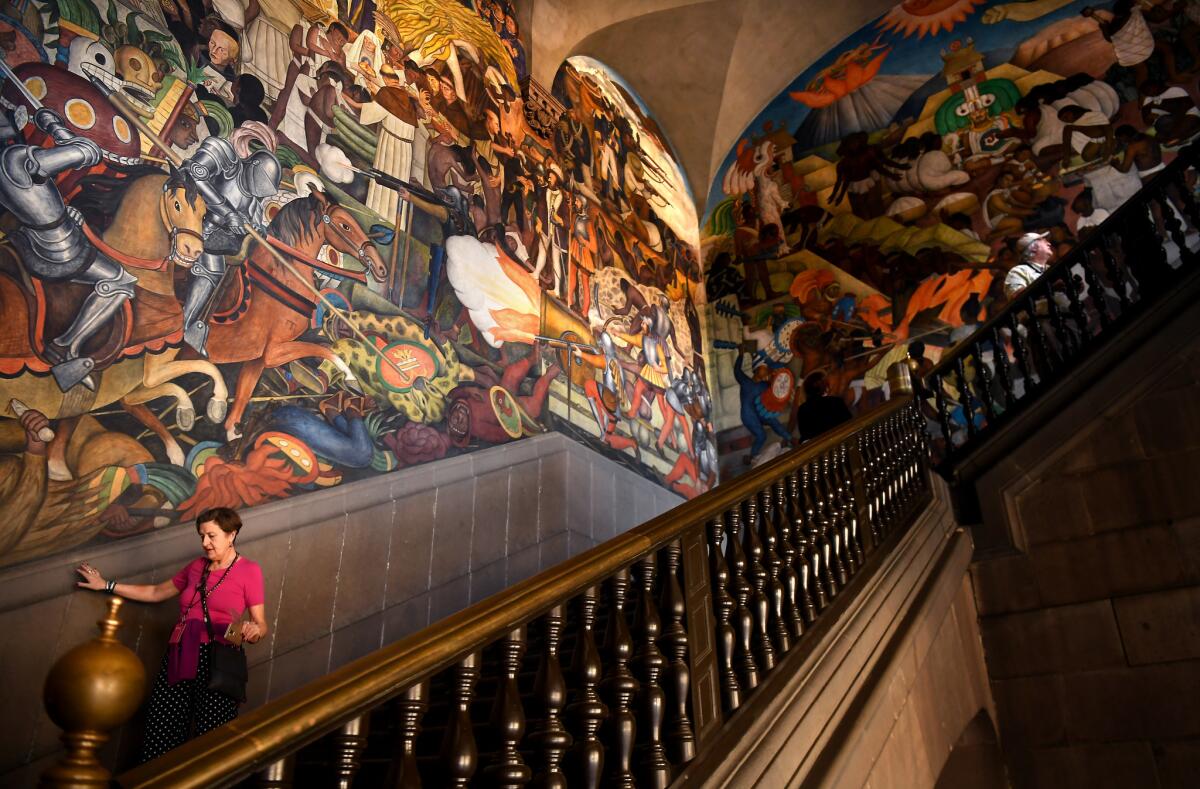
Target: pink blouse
(241, 589)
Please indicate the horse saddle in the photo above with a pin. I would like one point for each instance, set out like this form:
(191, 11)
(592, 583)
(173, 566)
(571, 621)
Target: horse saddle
(49, 308)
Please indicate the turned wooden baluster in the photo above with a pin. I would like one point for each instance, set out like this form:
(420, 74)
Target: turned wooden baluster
(723, 606)
(771, 558)
(1116, 274)
(587, 712)
(460, 755)
(943, 411)
(760, 604)
(410, 708)
(348, 746)
(619, 688)
(551, 740)
(278, 774)
(882, 505)
(1000, 359)
(1141, 244)
(812, 545)
(836, 532)
(1175, 228)
(1191, 210)
(1046, 358)
(1066, 340)
(653, 769)
(866, 451)
(508, 718)
(844, 477)
(1096, 291)
(792, 616)
(679, 734)
(854, 507)
(1075, 307)
(1020, 353)
(895, 500)
(964, 395)
(741, 590)
(824, 541)
(984, 379)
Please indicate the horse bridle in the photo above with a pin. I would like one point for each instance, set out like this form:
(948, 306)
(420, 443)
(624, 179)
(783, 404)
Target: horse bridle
(360, 252)
(176, 231)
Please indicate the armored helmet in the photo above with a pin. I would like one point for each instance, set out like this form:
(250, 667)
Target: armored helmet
(260, 175)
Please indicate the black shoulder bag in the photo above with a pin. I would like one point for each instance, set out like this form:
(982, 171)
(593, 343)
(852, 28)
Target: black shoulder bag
(227, 672)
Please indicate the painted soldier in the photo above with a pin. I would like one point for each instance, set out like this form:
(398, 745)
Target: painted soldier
(234, 190)
(51, 241)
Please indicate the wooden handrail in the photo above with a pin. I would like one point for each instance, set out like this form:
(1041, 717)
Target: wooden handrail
(264, 735)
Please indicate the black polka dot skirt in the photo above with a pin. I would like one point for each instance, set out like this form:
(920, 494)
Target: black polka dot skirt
(184, 710)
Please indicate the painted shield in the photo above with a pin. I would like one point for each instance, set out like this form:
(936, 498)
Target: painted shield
(507, 410)
(82, 106)
(778, 396)
(410, 360)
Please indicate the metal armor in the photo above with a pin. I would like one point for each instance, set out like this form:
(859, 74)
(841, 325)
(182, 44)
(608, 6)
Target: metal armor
(233, 190)
(52, 243)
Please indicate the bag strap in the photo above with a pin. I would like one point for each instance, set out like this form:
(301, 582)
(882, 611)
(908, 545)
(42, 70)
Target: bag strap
(204, 594)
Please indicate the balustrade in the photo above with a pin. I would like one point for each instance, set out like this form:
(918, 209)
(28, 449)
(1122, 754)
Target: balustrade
(487, 698)
(1113, 274)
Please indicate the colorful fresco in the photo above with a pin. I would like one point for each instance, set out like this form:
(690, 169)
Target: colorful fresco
(877, 201)
(254, 248)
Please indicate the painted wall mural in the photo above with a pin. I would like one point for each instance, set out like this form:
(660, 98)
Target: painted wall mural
(253, 248)
(872, 209)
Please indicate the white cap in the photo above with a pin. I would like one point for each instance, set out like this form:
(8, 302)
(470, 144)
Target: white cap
(1026, 241)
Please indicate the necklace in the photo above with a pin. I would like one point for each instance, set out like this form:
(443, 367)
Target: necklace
(226, 567)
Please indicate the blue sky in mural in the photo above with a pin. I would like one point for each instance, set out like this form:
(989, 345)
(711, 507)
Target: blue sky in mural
(911, 56)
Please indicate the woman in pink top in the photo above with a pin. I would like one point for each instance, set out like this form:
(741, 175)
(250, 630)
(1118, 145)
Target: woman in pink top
(181, 704)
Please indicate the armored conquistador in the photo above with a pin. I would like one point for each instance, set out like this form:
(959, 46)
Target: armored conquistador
(51, 241)
(234, 190)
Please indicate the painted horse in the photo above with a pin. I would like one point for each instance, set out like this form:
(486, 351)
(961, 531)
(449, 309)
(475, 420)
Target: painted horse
(268, 306)
(156, 226)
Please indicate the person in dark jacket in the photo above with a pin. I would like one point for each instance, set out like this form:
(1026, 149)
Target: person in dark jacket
(820, 411)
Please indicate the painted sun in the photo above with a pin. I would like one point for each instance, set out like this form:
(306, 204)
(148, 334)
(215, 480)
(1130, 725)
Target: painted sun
(927, 16)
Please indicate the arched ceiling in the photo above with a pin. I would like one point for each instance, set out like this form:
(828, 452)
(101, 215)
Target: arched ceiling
(705, 68)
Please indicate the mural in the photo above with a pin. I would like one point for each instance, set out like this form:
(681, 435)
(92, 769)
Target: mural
(253, 248)
(872, 209)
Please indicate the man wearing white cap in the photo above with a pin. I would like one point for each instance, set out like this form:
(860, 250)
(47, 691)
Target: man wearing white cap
(1035, 251)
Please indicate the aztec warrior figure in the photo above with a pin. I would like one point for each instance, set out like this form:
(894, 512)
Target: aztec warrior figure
(335, 230)
(873, 210)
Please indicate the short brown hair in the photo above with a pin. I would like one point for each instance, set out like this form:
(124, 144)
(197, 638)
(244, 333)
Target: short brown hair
(225, 517)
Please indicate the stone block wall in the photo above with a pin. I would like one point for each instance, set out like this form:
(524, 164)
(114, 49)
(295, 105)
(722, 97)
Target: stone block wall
(1091, 628)
(347, 571)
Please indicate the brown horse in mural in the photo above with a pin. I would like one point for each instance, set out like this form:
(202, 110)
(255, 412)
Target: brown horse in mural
(149, 330)
(257, 323)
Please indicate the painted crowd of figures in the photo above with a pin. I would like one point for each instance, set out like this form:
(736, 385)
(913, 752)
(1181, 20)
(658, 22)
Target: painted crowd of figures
(256, 248)
(878, 201)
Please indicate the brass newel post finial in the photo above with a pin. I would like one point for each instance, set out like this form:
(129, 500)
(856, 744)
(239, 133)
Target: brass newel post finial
(900, 379)
(91, 690)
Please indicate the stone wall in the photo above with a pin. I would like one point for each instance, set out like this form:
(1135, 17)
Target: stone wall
(1092, 626)
(347, 570)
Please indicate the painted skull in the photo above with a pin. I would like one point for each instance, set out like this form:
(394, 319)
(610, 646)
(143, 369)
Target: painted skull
(138, 70)
(89, 58)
